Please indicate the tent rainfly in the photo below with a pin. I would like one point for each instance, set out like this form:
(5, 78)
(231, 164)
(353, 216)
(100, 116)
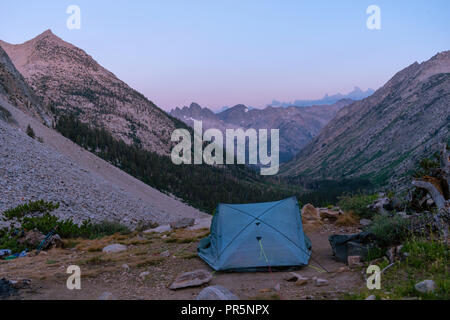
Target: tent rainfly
(247, 237)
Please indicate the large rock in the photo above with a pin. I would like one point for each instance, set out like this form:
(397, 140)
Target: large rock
(426, 286)
(203, 223)
(354, 261)
(310, 216)
(182, 223)
(330, 214)
(114, 248)
(216, 293)
(32, 238)
(380, 205)
(191, 279)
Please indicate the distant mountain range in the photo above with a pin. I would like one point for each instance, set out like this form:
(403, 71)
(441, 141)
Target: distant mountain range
(297, 125)
(356, 94)
(384, 136)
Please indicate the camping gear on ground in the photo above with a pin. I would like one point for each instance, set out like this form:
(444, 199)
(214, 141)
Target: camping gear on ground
(5, 252)
(17, 255)
(248, 237)
(345, 245)
(44, 242)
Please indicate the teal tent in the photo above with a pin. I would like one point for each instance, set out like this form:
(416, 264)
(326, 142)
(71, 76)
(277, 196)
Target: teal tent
(247, 237)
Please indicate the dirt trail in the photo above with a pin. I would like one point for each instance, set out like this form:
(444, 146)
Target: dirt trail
(105, 273)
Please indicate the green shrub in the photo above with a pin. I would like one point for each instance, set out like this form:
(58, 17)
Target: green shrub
(105, 228)
(422, 252)
(427, 259)
(39, 206)
(47, 222)
(358, 204)
(389, 230)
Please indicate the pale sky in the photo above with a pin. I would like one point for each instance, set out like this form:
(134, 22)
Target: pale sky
(222, 53)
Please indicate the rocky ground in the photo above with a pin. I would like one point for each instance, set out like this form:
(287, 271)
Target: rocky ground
(84, 185)
(152, 261)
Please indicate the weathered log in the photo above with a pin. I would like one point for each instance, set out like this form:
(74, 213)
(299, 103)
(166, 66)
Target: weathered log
(438, 198)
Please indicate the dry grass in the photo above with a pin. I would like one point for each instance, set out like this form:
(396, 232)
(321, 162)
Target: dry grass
(347, 219)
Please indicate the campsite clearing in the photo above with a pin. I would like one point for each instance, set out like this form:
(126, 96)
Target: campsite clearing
(119, 273)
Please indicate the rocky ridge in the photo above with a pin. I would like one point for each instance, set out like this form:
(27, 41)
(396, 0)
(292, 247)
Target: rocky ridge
(68, 80)
(385, 135)
(297, 125)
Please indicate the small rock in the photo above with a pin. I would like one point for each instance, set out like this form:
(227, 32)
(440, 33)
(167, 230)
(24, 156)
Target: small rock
(106, 296)
(33, 238)
(390, 253)
(144, 274)
(292, 277)
(182, 223)
(54, 242)
(372, 297)
(216, 293)
(354, 261)
(365, 222)
(21, 284)
(426, 286)
(191, 279)
(114, 248)
(301, 281)
(204, 223)
(320, 282)
(160, 229)
(329, 214)
(165, 254)
(126, 267)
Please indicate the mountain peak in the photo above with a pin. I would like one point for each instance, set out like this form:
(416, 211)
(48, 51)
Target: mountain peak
(195, 106)
(46, 35)
(47, 32)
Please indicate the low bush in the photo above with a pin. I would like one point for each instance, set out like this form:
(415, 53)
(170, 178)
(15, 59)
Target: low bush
(357, 203)
(389, 230)
(45, 222)
(346, 219)
(31, 207)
